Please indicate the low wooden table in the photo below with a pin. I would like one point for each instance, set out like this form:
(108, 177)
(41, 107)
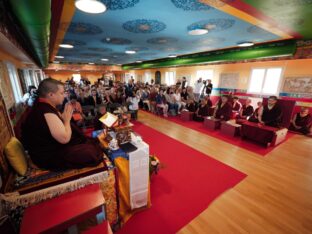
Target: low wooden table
(187, 115)
(230, 129)
(266, 135)
(212, 123)
(64, 212)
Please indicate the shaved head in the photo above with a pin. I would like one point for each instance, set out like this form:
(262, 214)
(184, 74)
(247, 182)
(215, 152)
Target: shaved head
(48, 85)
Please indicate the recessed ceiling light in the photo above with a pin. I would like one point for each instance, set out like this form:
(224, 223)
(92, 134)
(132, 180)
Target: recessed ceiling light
(130, 52)
(197, 32)
(138, 61)
(90, 6)
(58, 56)
(91, 63)
(104, 59)
(245, 44)
(172, 56)
(67, 46)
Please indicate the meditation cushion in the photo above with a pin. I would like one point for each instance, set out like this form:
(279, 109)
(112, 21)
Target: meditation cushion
(15, 154)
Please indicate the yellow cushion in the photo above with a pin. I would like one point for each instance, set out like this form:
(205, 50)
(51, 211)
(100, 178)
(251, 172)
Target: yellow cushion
(16, 156)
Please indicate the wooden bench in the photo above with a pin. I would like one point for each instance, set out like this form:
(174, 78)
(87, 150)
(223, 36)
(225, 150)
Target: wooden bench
(212, 123)
(187, 115)
(230, 129)
(265, 135)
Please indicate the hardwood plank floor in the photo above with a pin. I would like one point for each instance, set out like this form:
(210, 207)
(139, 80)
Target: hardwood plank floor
(275, 197)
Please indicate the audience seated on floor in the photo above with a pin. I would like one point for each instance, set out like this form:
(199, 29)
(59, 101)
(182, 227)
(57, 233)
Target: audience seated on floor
(271, 113)
(223, 109)
(302, 122)
(50, 138)
(202, 111)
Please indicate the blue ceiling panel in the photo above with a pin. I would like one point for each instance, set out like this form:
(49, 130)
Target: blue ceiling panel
(154, 29)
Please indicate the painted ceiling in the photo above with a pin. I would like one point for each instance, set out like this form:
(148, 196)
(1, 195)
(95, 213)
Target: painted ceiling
(159, 28)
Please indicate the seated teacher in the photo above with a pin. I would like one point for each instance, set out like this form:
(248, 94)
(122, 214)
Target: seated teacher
(50, 138)
(302, 122)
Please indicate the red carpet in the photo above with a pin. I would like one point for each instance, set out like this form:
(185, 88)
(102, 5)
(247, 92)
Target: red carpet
(237, 141)
(185, 187)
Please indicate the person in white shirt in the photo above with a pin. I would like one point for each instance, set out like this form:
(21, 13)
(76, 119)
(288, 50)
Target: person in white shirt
(29, 97)
(197, 89)
(178, 100)
(134, 102)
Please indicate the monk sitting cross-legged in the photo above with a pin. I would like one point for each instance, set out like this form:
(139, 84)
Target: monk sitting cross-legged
(52, 141)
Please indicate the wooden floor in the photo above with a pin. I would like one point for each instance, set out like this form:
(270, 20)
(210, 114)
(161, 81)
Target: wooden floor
(275, 197)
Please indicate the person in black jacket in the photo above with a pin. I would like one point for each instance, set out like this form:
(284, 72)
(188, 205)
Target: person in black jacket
(94, 99)
(271, 114)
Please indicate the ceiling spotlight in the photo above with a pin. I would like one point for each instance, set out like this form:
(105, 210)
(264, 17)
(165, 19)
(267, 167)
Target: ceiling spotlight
(104, 59)
(245, 44)
(67, 46)
(130, 52)
(138, 61)
(172, 56)
(197, 32)
(58, 56)
(90, 6)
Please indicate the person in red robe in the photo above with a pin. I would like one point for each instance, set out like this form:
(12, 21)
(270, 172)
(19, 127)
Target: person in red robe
(202, 111)
(52, 141)
(302, 122)
(271, 114)
(246, 111)
(223, 110)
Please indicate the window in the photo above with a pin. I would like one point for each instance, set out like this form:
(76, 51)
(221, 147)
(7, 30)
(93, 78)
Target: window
(129, 76)
(265, 81)
(170, 78)
(14, 82)
(77, 78)
(204, 74)
(148, 77)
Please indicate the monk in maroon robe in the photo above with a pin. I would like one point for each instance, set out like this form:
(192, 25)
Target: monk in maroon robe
(237, 106)
(224, 109)
(50, 138)
(202, 111)
(271, 114)
(302, 122)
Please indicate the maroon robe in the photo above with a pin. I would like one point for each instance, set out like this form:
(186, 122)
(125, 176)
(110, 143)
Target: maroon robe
(272, 117)
(304, 122)
(202, 112)
(237, 106)
(48, 153)
(224, 112)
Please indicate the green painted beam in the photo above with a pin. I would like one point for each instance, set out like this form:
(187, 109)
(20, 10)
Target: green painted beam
(283, 48)
(294, 14)
(34, 17)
